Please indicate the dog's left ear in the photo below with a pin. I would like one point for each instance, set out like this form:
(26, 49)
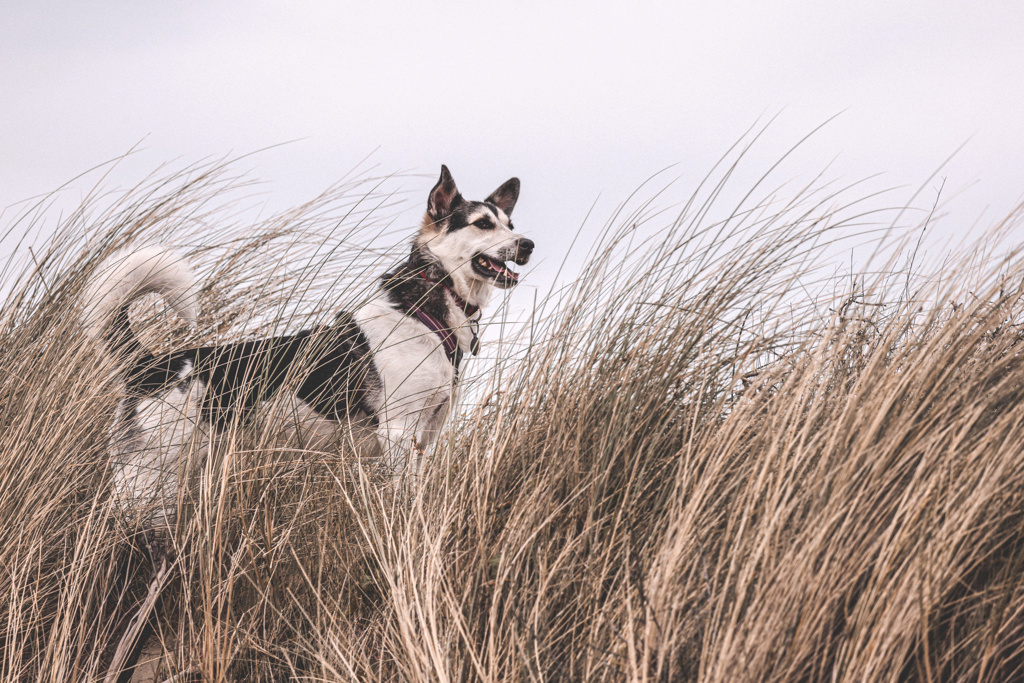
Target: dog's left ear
(444, 197)
(505, 196)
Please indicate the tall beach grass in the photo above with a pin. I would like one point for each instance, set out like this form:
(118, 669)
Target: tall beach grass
(701, 459)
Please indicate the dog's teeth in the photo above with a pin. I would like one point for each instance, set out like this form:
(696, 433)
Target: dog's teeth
(497, 267)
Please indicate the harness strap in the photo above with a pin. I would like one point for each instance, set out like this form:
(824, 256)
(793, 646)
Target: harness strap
(448, 340)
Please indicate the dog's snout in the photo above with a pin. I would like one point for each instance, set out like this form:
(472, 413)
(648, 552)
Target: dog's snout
(523, 250)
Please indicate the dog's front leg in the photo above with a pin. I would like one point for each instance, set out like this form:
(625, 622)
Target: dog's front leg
(403, 448)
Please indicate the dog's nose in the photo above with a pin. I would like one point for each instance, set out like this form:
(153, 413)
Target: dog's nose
(525, 248)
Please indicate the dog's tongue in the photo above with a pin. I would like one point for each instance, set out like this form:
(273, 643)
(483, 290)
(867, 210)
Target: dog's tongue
(507, 272)
(499, 267)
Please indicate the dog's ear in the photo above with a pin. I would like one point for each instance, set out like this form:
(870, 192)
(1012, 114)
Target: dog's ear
(505, 196)
(444, 197)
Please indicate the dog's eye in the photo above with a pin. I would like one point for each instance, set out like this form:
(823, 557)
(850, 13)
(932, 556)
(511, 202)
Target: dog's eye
(484, 224)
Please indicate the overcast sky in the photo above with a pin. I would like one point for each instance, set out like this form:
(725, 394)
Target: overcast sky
(578, 99)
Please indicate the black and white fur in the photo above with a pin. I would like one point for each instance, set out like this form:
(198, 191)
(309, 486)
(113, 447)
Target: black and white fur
(379, 370)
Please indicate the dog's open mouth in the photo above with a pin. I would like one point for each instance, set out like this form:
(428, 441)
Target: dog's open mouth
(495, 270)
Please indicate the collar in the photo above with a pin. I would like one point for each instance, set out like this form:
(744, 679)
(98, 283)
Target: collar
(470, 311)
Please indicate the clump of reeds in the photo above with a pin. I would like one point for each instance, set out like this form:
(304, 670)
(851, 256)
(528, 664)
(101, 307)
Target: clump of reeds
(686, 467)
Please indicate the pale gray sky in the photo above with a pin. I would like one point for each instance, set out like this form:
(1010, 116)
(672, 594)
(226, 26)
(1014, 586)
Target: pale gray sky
(578, 99)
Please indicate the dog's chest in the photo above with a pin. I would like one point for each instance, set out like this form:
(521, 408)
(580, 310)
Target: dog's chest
(416, 374)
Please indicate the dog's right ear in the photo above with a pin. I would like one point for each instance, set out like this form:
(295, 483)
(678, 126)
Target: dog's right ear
(444, 197)
(505, 196)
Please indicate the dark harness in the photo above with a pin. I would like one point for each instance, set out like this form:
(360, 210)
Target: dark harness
(447, 335)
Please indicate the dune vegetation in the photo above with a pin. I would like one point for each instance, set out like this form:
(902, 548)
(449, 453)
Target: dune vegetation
(702, 458)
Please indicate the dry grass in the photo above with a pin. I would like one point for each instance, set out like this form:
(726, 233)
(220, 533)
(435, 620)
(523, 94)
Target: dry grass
(697, 472)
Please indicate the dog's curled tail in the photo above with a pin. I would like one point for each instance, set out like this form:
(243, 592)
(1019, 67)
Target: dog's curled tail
(125, 277)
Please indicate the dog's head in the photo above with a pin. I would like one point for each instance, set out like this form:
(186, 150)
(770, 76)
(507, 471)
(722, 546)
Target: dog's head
(474, 240)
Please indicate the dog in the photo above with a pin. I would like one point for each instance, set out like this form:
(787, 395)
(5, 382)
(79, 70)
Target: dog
(389, 369)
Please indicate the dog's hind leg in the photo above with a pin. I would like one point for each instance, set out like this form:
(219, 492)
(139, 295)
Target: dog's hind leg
(132, 643)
